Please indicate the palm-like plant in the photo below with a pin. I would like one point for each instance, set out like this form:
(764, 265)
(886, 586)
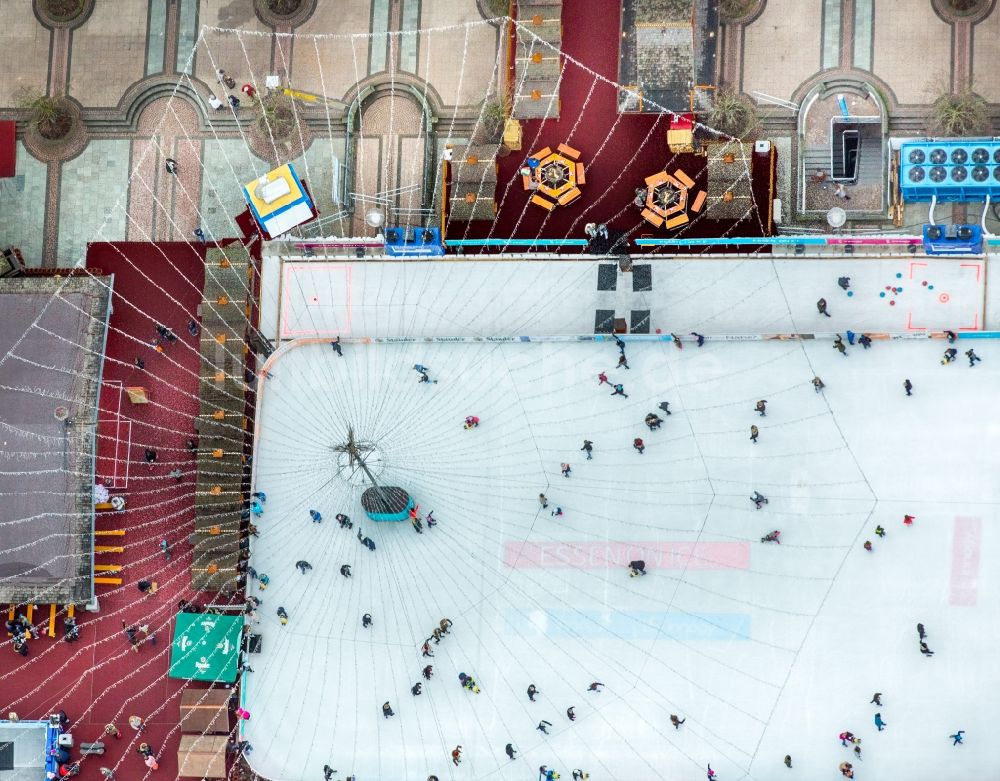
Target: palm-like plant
(733, 114)
(960, 114)
(47, 114)
(277, 116)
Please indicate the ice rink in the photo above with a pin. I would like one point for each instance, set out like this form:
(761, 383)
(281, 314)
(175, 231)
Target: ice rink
(764, 649)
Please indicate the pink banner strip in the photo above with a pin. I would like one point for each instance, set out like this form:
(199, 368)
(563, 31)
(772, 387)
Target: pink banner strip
(602, 555)
(966, 542)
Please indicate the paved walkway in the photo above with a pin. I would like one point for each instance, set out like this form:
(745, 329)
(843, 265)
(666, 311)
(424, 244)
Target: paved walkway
(122, 61)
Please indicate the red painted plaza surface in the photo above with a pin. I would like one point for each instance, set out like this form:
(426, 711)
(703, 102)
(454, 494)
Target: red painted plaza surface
(99, 679)
(602, 555)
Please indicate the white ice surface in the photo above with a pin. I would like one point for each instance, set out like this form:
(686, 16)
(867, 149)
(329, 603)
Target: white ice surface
(774, 658)
(536, 297)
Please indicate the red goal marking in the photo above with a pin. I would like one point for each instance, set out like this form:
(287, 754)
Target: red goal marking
(965, 545)
(944, 298)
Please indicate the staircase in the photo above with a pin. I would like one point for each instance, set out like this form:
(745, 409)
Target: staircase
(870, 164)
(816, 158)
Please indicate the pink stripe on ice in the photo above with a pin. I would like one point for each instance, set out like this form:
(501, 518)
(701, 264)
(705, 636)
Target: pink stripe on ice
(965, 546)
(601, 555)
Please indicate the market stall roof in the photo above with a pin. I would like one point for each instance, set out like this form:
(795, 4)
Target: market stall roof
(205, 711)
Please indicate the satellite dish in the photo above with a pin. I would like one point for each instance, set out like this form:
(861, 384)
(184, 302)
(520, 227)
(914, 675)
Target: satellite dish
(374, 218)
(836, 217)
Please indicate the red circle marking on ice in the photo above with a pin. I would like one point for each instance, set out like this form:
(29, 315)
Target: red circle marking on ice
(924, 283)
(314, 299)
(892, 303)
(944, 298)
(659, 331)
(888, 287)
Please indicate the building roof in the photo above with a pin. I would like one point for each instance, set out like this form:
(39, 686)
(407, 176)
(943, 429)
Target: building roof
(51, 354)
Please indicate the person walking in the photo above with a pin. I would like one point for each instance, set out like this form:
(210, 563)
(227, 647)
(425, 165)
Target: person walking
(112, 731)
(171, 165)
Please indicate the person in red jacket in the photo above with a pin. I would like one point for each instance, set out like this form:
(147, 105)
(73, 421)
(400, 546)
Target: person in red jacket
(908, 520)
(639, 445)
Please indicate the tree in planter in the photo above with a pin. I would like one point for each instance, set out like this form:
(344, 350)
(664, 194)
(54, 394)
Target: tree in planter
(48, 115)
(277, 116)
(283, 7)
(498, 7)
(736, 9)
(965, 6)
(733, 114)
(494, 115)
(960, 114)
(63, 10)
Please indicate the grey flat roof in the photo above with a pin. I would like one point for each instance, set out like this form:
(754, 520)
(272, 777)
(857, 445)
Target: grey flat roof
(52, 338)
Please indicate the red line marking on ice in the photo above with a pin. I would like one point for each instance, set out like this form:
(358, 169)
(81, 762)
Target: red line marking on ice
(291, 268)
(915, 263)
(602, 555)
(977, 266)
(965, 545)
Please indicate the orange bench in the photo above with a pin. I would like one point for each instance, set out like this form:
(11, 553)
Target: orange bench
(699, 201)
(580, 178)
(569, 196)
(677, 221)
(686, 180)
(540, 201)
(652, 217)
(569, 151)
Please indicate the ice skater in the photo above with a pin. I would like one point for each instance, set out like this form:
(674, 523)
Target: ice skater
(303, 565)
(571, 713)
(677, 341)
(418, 527)
(510, 750)
(345, 570)
(949, 355)
(602, 379)
(328, 772)
(758, 499)
(636, 568)
(925, 650)
(876, 699)
(821, 307)
(921, 633)
(415, 689)
(366, 620)
(711, 775)
(588, 448)
(699, 338)
(557, 513)
(788, 760)
(471, 422)
(532, 691)
(430, 520)
(879, 723)
(565, 469)
(622, 361)
(653, 421)
(282, 615)
(868, 546)
(908, 387)
(818, 384)
(335, 344)
(428, 672)
(971, 355)
(619, 390)
(387, 710)
(580, 775)
(316, 516)
(754, 433)
(543, 726)
(839, 346)
(620, 343)
(774, 536)
(595, 686)
(639, 445)
(344, 521)
(425, 649)
(665, 406)
(908, 520)
(957, 737)
(879, 531)
(676, 721)
(844, 282)
(762, 407)
(543, 500)
(865, 341)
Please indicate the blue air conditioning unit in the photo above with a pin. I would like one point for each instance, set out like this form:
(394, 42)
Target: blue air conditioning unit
(413, 242)
(953, 240)
(953, 170)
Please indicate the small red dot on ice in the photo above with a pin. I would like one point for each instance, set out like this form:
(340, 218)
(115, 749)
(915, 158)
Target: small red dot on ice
(659, 331)
(924, 283)
(892, 303)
